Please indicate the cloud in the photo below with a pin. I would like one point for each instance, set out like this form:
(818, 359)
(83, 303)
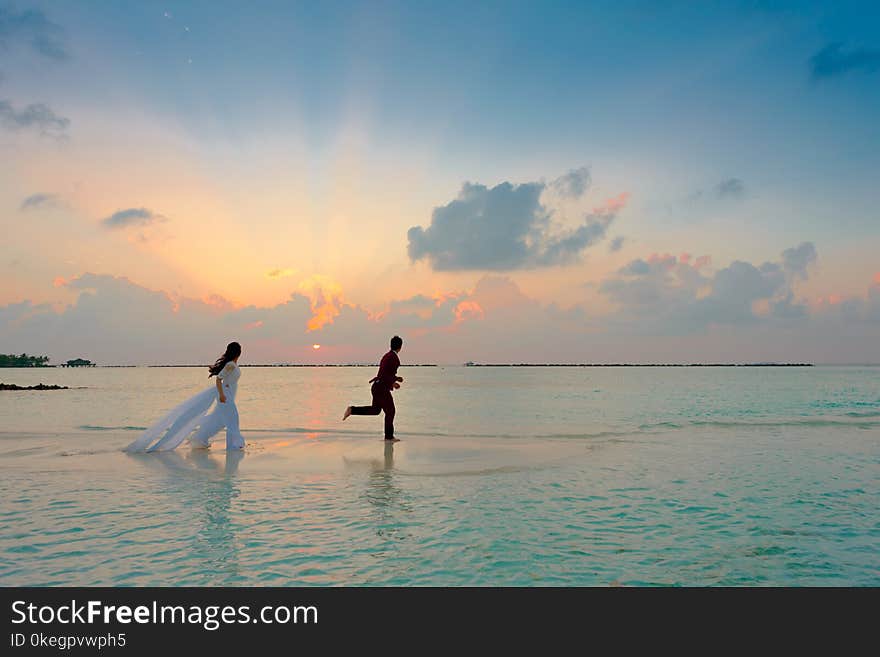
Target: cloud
(786, 307)
(616, 244)
(419, 305)
(652, 288)
(36, 116)
(665, 293)
(734, 291)
(673, 309)
(508, 227)
(851, 310)
(423, 312)
(325, 300)
(41, 200)
(280, 273)
(572, 184)
(494, 292)
(833, 60)
(114, 320)
(468, 310)
(31, 27)
(797, 260)
(132, 217)
(730, 188)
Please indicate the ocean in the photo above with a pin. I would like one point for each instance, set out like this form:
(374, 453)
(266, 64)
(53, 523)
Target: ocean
(522, 476)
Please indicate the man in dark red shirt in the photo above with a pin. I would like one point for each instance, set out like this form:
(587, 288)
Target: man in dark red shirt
(383, 383)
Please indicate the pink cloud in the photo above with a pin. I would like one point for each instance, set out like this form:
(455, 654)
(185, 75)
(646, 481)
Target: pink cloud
(612, 205)
(669, 261)
(493, 292)
(827, 302)
(666, 260)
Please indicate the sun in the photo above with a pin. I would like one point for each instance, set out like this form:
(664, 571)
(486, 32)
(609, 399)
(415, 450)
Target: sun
(316, 347)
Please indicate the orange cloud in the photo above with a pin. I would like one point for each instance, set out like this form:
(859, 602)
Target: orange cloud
(280, 273)
(253, 325)
(325, 299)
(468, 310)
(877, 278)
(442, 297)
(761, 307)
(218, 303)
(59, 281)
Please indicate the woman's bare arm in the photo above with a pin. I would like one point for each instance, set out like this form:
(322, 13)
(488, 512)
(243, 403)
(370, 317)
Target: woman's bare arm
(220, 390)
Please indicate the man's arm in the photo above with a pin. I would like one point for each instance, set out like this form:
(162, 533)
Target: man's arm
(382, 366)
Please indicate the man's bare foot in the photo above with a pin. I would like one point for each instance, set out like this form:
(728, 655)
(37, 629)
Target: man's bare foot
(346, 414)
(393, 440)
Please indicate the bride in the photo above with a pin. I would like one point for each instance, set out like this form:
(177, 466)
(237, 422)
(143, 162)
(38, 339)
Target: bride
(192, 420)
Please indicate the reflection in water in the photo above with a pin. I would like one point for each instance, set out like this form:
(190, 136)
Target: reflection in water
(381, 490)
(203, 482)
(386, 498)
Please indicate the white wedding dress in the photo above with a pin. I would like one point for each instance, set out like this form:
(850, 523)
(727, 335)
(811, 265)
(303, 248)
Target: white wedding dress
(192, 419)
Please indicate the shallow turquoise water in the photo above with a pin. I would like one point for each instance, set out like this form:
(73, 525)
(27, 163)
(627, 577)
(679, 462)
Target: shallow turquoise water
(517, 476)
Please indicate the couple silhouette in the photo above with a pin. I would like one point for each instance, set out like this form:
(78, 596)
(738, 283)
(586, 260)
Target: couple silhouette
(194, 419)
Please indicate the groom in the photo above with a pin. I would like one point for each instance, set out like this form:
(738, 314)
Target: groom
(384, 382)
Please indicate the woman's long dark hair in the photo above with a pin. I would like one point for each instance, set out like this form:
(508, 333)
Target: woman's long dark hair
(233, 351)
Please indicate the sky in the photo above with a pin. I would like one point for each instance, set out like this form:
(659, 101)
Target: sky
(495, 181)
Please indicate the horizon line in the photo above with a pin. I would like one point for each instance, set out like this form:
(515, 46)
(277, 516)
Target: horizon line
(472, 364)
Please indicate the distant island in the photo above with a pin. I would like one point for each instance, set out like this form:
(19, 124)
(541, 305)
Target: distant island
(23, 360)
(79, 362)
(39, 386)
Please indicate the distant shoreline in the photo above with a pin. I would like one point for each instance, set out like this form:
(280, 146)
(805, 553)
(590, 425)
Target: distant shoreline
(443, 365)
(39, 386)
(584, 365)
(517, 365)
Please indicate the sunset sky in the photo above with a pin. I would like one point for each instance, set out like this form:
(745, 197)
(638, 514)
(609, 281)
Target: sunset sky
(497, 182)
